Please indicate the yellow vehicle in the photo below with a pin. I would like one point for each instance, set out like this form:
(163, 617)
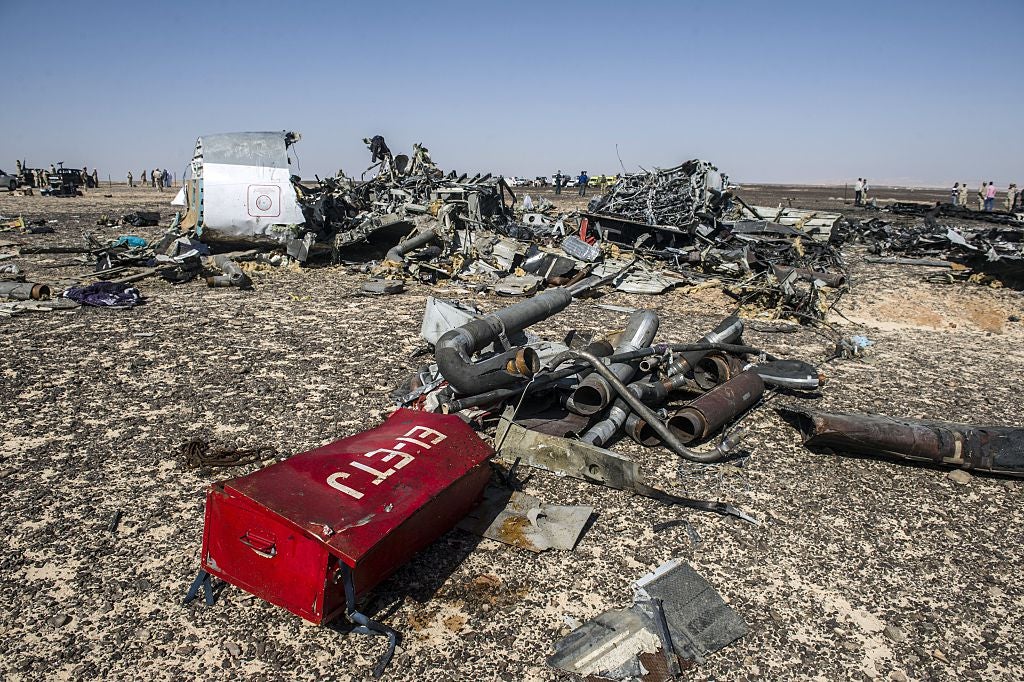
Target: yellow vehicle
(602, 181)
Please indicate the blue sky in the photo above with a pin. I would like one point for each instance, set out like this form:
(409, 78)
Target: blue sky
(906, 92)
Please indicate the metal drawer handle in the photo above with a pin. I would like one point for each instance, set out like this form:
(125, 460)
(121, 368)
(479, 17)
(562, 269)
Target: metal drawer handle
(267, 553)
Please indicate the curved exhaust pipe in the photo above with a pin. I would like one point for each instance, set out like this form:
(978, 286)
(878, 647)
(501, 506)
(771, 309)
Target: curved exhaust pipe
(396, 254)
(454, 351)
(594, 393)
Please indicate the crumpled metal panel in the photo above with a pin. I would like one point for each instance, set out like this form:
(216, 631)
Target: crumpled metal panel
(695, 621)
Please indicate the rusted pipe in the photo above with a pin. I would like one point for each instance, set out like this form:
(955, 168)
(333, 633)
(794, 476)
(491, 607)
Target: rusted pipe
(715, 369)
(637, 429)
(728, 330)
(716, 408)
(601, 348)
(995, 449)
(648, 415)
(24, 291)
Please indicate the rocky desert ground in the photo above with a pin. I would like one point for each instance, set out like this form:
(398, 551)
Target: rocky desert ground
(860, 569)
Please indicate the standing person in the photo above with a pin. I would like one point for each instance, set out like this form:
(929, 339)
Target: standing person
(990, 196)
(158, 178)
(583, 179)
(1011, 196)
(95, 178)
(559, 179)
(131, 180)
(858, 191)
(142, 178)
(85, 177)
(864, 193)
(954, 194)
(152, 177)
(981, 196)
(167, 178)
(963, 194)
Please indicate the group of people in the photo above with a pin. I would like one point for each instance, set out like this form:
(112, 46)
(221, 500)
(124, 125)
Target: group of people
(40, 177)
(582, 180)
(157, 178)
(860, 192)
(986, 194)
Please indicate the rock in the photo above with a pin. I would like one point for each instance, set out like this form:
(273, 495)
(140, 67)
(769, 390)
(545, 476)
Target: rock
(185, 650)
(939, 656)
(850, 646)
(233, 649)
(897, 676)
(959, 476)
(59, 620)
(894, 633)
(142, 634)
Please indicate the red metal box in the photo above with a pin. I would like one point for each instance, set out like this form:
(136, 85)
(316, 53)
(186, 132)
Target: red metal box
(371, 501)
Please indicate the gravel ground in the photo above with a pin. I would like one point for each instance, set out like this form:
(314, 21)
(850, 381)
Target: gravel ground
(861, 569)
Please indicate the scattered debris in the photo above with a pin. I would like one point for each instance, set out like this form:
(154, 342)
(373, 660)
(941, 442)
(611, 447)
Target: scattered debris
(676, 615)
(995, 250)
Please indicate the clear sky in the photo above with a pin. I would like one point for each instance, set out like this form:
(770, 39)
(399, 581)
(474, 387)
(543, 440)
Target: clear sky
(923, 92)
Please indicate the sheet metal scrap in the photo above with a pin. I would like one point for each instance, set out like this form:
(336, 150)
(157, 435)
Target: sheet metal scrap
(676, 615)
(992, 449)
(523, 521)
(590, 463)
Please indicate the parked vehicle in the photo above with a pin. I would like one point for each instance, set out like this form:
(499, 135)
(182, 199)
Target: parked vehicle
(9, 181)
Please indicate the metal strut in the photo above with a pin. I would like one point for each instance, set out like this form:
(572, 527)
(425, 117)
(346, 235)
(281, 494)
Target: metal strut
(366, 625)
(204, 581)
